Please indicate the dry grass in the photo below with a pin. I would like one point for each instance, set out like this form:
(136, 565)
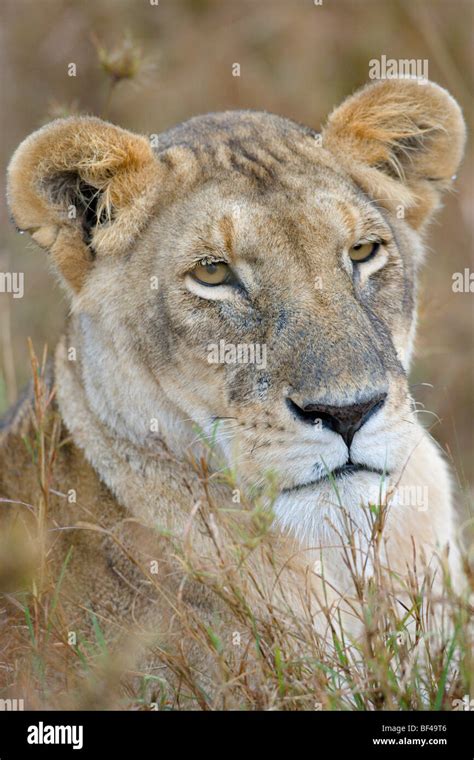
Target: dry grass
(413, 650)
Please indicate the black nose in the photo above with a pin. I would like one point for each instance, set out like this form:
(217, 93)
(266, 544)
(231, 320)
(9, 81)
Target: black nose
(345, 420)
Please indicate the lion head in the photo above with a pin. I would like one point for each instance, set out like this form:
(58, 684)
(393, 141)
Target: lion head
(246, 275)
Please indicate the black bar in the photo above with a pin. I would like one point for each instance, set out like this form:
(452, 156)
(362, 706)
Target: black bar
(445, 734)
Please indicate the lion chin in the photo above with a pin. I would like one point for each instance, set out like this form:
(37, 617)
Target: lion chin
(313, 511)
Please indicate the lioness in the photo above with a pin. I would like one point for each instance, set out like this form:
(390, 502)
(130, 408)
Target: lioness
(249, 280)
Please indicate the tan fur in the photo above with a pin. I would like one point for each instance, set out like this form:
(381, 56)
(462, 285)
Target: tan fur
(263, 192)
(117, 164)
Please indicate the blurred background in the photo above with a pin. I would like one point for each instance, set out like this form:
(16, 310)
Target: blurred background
(147, 64)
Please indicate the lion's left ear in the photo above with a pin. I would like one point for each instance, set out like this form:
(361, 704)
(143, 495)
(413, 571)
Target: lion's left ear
(401, 141)
(82, 188)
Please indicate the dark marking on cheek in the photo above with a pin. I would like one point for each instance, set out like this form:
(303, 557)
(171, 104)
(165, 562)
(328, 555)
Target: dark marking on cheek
(239, 317)
(263, 385)
(282, 321)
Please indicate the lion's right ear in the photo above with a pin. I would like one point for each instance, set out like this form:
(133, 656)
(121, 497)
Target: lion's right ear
(82, 188)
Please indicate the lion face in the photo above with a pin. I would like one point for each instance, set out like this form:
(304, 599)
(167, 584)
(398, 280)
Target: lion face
(250, 280)
(294, 360)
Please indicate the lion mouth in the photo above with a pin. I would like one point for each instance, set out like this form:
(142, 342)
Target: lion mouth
(346, 469)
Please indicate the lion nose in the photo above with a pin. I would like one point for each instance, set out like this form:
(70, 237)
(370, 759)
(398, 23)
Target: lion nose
(345, 420)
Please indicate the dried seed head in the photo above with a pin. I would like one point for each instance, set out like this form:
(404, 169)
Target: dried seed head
(123, 61)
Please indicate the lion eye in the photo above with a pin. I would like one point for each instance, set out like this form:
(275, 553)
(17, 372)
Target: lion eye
(363, 251)
(212, 273)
